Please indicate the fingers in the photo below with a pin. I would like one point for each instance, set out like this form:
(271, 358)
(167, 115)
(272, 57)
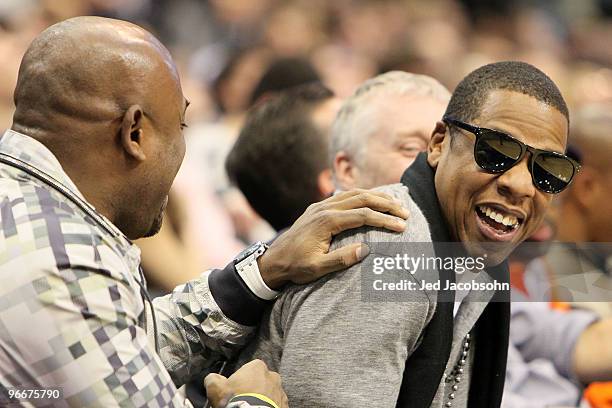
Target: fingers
(376, 201)
(217, 389)
(342, 258)
(345, 195)
(342, 195)
(343, 220)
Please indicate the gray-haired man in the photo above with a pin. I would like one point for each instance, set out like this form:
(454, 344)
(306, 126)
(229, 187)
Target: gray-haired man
(381, 129)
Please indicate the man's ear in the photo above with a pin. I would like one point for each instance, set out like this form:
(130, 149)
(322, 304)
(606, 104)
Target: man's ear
(434, 149)
(585, 189)
(325, 182)
(344, 170)
(131, 132)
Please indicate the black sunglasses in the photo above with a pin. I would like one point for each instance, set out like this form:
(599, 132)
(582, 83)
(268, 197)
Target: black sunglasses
(497, 152)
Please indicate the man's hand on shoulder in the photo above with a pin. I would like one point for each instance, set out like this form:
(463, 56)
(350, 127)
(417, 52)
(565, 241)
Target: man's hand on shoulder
(301, 254)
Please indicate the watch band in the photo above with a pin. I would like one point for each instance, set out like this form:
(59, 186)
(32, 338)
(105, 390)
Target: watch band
(250, 274)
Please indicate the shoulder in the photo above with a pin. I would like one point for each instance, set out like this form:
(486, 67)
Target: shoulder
(349, 282)
(417, 228)
(43, 230)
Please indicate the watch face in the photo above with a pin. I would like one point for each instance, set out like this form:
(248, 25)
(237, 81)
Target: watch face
(247, 252)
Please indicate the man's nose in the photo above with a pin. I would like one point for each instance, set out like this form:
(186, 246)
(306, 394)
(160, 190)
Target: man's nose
(516, 183)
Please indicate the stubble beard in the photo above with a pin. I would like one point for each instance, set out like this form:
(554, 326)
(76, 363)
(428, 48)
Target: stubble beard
(157, 222)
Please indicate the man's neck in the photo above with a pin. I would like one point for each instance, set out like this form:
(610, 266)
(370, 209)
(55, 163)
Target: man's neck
(92, 188)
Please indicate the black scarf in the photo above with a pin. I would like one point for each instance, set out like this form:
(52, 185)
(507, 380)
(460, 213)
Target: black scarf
(425, 367)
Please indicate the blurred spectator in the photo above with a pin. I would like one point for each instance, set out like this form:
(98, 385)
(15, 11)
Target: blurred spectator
(279, 160)
(208, 143)
(371, 28)
(591, 84)
(381, 129)
(282, 74)
(342, 69)
(294, 29)
(585, 215)
(233, 88)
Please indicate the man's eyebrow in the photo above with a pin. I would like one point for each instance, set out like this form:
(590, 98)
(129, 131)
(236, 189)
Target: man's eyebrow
(417, 134)
(187, 103)
(548, 147)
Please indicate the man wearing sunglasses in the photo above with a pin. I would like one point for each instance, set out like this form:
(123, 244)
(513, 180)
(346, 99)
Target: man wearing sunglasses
(491, 169)
(549, 349)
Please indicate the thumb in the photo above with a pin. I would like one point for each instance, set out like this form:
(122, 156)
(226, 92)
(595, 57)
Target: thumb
(214, 379)
(217, 389)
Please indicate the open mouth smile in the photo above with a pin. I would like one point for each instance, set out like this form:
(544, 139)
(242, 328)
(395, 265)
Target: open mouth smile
(497, 223)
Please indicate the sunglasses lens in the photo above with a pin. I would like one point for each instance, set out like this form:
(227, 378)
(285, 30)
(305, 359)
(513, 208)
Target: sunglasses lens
(552, 173)
(496, 152)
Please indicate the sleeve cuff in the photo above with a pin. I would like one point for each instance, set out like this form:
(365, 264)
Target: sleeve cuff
(234, 298)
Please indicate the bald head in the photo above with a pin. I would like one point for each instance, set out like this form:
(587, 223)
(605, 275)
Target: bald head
(591, 131)
(105, 97)
(88, 69)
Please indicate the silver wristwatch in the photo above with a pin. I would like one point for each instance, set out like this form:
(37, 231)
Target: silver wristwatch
(247, 268)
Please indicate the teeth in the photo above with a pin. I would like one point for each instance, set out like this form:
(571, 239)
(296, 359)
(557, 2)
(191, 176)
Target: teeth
(507, 220)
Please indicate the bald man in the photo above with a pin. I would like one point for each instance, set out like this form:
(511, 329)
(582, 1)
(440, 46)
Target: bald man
(95, 144)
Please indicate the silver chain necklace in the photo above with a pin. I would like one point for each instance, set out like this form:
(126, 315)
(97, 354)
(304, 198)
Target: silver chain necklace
(456, 373)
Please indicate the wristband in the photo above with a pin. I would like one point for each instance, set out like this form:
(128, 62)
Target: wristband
(258, 400)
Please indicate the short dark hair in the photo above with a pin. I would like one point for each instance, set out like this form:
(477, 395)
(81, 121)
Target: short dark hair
(279, 154)
(282, 74)
(467, 99)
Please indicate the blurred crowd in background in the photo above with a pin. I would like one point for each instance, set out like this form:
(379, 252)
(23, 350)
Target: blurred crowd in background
(232, 54)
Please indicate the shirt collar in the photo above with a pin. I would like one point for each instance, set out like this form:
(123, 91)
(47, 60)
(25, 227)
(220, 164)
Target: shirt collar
(36, 154)
(31, 151)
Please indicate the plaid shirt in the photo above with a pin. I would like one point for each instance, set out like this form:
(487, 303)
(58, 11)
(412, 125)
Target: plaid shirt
(73, 310)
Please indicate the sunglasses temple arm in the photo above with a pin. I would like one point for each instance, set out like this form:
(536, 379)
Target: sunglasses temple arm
(462, 125)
